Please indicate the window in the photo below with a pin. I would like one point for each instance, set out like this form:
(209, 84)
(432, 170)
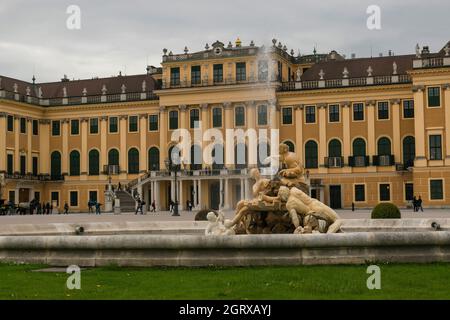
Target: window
(56, 128)
(263, 70)
(196, 157)
(436, 189)
(409, 191)
(133, 161)
(175, 76)
(358, 111)
(409, 151)
(334, 148)
(217, 117)
(55, 197)
(408, 109)
(153, 159)
(383, 110)
(359, 147)
(240, 156)
(35, 166)
(74, 127)
(23, 165)
(10, 164)
(385, 194)
(93, 195)
(280, 70)
(173, 120)
(435, 147)
(434, 97)
(133, 123)
(240, 71)
(93, 125)
(239, 116)
(262, 115)
(195, 75)
(333, 113)
(263, 152)
(217, 73)
(113, 157)
(194, 117)
(287, 115)
(153, 122)
(74, 163)
(384, 147)
(74, 198)
(10, 120)
(55, 165)
(360, 192)
(94, 163)
(12, 196)
(290, 146)
(35, 127)
(113, 124)
(310, 114)
(311, 155)
(23, 125)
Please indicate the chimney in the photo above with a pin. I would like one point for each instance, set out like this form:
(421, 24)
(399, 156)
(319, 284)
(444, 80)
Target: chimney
(65, 79)
(353, 55)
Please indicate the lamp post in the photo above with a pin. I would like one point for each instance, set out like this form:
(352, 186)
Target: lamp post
(173, 168)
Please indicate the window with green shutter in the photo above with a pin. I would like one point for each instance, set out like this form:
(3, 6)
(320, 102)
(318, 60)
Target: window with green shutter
(93, 125)
(436, 189)
(434, 97)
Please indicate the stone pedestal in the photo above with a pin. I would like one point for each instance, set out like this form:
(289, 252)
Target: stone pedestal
(117, 206)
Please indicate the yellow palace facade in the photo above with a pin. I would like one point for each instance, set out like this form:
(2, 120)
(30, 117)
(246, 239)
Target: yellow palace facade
(368, 129)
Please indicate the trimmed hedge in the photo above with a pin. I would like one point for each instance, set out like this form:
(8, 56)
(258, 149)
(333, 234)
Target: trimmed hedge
(201, 215)
(386, 211)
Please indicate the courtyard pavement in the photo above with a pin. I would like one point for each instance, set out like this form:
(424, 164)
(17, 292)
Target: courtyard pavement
(184, 216)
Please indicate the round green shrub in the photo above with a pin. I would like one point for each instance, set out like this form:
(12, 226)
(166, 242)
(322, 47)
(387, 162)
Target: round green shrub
(201, 215)
(386, 211)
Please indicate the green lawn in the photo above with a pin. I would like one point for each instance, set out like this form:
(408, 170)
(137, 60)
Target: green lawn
(398, 281)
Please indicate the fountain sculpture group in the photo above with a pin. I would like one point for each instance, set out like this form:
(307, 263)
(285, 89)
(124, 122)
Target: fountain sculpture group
(280, 205)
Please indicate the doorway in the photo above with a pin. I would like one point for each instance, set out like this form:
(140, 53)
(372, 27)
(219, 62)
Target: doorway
(214, 196)
(24, 195)
(335, 197)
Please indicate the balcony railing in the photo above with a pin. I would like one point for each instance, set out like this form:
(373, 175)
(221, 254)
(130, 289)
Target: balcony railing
(212, 82)
(358, 161)
(334, 162)
(32, 177)
(383, 160)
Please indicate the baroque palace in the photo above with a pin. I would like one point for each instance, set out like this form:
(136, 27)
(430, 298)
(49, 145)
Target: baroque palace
(368, 129)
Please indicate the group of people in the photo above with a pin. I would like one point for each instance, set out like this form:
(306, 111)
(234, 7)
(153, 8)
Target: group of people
(417, 204)
(93, 204)
(40, 208)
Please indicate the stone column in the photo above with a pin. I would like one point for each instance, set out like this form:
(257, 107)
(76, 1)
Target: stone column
(251, 115)
(44, 146)
(395, 103)
(172, 189)
(272, 109)
(221, 192)
(246, 189)
(299, 131)
(157, 195)
(143, 140)
(446, 88)
(205, 122)
(227, 201)
(84, 151)
(162, 136)
(29, 147)
(16, 144)
(322, 135)
(346, 148)
(3, 120)
(103, 142)
(180, 195)
(242, 189)
(194, 187)
(123, 145)
(419, 126)
(371, 143)
(65, 148)
(200, 194)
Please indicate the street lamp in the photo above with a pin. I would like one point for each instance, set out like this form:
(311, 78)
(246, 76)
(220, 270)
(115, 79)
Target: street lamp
(173, 168)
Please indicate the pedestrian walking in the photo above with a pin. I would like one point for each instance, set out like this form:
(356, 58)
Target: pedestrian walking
(66, 208)
(419, 204)
(414, 201)
(47, 207)
(97, 208)
(91, 204)
(139, 206)
(153, 206)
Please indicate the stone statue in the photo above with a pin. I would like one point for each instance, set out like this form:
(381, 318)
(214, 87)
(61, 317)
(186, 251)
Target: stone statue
(216, 225)
(292, 169)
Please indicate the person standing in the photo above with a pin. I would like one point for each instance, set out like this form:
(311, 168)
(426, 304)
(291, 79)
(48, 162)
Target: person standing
(414, 201)
(139, 206)
(47, 207)
(419, 204)
(90, 204)
(66, 208)
(97, 208)
(153, 206)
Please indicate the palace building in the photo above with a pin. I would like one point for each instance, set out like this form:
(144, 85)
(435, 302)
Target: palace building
(367, 129)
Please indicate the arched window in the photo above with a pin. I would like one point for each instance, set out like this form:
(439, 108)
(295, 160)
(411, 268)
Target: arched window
(113, 157)
(290, 145)
(55, 163)
(311, 154)
(133, 161)
(196, 157)
(240, 156)
(174, 156)
(409, 151)
(94, 162)
(217, 157)
(334, 148)
(74, 163)
(153, 159)
(359, 147)
(263, 153)
(384, 147)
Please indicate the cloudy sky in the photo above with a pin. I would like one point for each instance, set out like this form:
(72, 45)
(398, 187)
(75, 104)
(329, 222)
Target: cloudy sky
(125, 35)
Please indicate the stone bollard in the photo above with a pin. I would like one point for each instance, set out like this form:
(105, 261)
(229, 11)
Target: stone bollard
(117, 206)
